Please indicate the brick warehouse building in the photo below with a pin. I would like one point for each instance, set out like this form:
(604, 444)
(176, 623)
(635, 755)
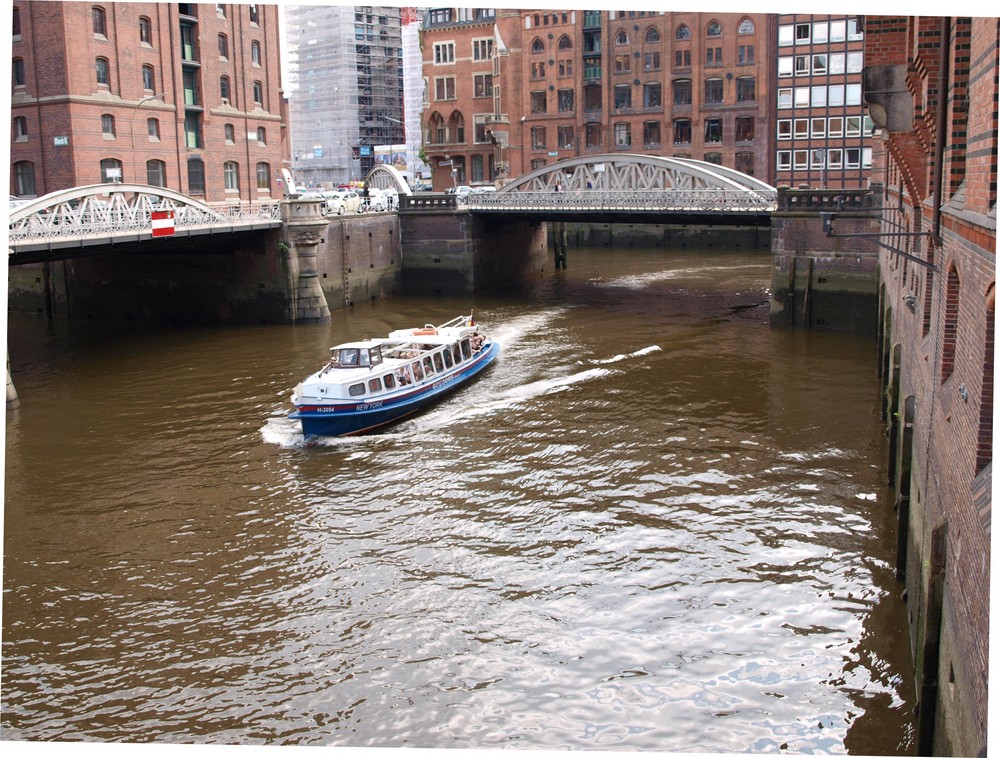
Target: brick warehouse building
(567, 83)
(181, 95)
(931, 87)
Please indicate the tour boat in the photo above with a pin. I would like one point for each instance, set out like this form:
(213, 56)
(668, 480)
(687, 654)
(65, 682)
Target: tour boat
(374, 382)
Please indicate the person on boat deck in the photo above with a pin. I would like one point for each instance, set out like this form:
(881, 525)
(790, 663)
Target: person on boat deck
(418, 372)
(404, 378)
(477, 341)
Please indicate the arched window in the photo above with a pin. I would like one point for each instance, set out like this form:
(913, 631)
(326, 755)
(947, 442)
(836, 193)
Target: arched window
(264, 176)
(24, 176)
(231, 175)
(156, 173)
(565, 43)
(224, 89)
(261, 135)
(229, 133)
(457, 126)
(714, 29)
(255, 53)
(652, 35)
(196, 176)
(99, 20)
(148, 80)
(258, 93)
(223, 46)
(145, 30)
(746, 27)
(683, 32)
(537, 46)
(111, 170)
(950, 335)
(621, 38)
(16, 25)
(153, 129)
(103, 71)
(108, 125)
(20, 128)
(984, 448)
(437, 132)
(17, 66)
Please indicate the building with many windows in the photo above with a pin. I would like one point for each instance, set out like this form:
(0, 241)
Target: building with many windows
(345, 90)
(179, 95)
(822, 135)
(507, 91)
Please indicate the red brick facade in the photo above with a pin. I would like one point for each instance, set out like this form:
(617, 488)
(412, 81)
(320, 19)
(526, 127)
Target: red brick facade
(181, 95)
(940, 177)
(572, 83)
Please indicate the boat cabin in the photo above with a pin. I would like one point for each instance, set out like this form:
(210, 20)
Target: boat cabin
(355, 355)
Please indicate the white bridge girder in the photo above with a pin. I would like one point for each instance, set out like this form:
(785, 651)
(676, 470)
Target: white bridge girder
(618, 172)
(99, 212)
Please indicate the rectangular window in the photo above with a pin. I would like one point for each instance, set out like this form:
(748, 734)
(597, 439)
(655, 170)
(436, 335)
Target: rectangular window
(836, 95)
(819, 64)
(820, 32)
(623, 96)
(482, 49)
(785, 65)
(838, 31)
(263, 176)
(744, 128)
(853, 30)
(482, 85)
(592, 98)
(784, 160)
(444, 88)
(784, 128)
(818, 97)
(623, 135)
(836, 63)
(566, 67)
(800, 158)
(855, 62)
(817, 159)
(802, 34)
(786, 35)
(593, 136)
(801, 65)
(682, 131)
(866, 157)
(538, 138)
(623, 63)
(818, 127)
(852, 157)
(835, 127)
(852, 126)
(476, 171)
(538, 70)
(713, 130)
(785, 97)
(444, 52)
(801, 128)
(567, 103)
(744, 55)
(651, 134)
(746, 89)
(538, 102)
(853, 94)
(834, 158)
(567, 138)
(652, 95)
(682, 91)
(713, 91)
(651, 61)
(802, 97)
(682, 59)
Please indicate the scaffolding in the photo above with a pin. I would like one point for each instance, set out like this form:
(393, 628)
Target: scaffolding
(345, 90)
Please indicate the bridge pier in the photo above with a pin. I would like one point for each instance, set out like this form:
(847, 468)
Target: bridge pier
(559, 244)
(305, 225)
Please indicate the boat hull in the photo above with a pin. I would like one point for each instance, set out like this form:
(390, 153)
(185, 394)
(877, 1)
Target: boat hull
(341, 421)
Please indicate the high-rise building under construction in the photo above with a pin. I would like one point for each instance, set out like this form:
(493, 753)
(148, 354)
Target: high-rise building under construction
(346, 104)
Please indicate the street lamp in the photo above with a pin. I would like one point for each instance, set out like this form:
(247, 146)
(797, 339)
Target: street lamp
(131, 129)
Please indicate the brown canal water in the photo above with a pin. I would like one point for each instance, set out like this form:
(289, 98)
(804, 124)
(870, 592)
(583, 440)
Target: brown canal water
(656, 524)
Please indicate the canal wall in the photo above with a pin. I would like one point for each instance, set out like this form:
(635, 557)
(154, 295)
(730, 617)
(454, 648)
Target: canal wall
(667, 236)
(825, 278)
(454, 253)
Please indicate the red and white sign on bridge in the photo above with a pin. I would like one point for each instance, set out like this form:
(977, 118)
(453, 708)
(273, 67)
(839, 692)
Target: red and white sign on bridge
(163, 223)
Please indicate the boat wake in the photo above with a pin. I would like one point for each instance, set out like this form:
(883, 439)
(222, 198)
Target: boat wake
(625, 356)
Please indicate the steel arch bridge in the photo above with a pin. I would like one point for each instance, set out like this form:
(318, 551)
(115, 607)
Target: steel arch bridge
(387, 177)
(113, 213)
(623, 184)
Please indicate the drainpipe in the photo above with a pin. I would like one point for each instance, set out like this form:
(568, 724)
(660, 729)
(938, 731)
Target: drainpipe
(942, 125)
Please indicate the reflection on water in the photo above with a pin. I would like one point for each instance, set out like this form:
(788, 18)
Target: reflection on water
(655, 524)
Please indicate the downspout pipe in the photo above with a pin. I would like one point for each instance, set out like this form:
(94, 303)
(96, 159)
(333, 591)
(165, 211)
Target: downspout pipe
(944, 72)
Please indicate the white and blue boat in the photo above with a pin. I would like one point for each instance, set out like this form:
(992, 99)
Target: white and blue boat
(374, 382)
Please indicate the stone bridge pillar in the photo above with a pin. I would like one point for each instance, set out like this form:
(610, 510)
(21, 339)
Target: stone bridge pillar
(304, 227)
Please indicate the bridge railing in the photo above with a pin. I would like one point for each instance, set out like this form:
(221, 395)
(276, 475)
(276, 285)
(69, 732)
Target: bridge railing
(108, 219)
(590, 200)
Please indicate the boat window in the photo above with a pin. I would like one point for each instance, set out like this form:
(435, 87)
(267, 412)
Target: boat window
(375, 384)
(356, 389)
(457, 353)
(466, 349)
(389, 380)
(345, 357)
(417, 371)
(375, 355)
(404, 376)
(447, 357)
(437, 362)
(428, 368)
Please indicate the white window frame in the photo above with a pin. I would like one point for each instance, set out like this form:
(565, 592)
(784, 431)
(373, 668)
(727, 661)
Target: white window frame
(786, 35)
(784, 97)
(786, 65)
(834, 158)
(800, 128)
(784, 128)
(784, 160)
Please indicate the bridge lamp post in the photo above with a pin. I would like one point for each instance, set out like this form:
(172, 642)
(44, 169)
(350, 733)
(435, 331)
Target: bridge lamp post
(131, 129)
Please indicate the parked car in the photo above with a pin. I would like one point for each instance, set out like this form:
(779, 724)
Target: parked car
(483, 189)
(376, 201)
(339, 202)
